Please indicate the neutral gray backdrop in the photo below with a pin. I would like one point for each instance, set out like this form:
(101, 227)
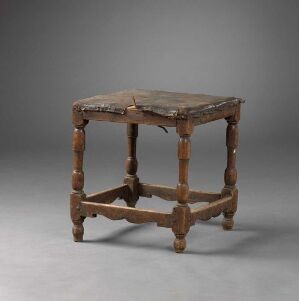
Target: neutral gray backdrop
(53, 52)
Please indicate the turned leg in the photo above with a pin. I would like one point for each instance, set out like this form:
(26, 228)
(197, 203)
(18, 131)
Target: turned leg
(230, 175)
(77, 195)
(131, 178)
(181, 212)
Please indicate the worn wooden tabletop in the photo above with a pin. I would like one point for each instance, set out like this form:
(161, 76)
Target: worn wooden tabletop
(169, 104)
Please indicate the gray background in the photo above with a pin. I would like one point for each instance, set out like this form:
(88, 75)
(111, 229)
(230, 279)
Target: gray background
(53, 52)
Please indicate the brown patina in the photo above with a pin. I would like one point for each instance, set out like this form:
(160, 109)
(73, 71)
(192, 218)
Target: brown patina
(183, 111)
(167, 104)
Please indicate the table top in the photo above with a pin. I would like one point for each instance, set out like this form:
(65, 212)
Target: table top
(168, 104)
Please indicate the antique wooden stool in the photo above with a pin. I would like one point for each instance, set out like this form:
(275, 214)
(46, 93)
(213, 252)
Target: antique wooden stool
(164, 109)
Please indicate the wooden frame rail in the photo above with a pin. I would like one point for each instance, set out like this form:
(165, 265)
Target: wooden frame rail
(148, 190)
(132, 215)
(210, 210)
(100, 203)
(133, 115)
(170, 193)
(108, 196)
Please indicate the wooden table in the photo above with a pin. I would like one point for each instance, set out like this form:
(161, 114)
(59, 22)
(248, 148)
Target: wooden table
(165, 109)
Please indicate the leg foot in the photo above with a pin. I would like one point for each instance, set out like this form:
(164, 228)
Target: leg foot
(131, 204)
(228, 221)
(179, 244)
(78, 230)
